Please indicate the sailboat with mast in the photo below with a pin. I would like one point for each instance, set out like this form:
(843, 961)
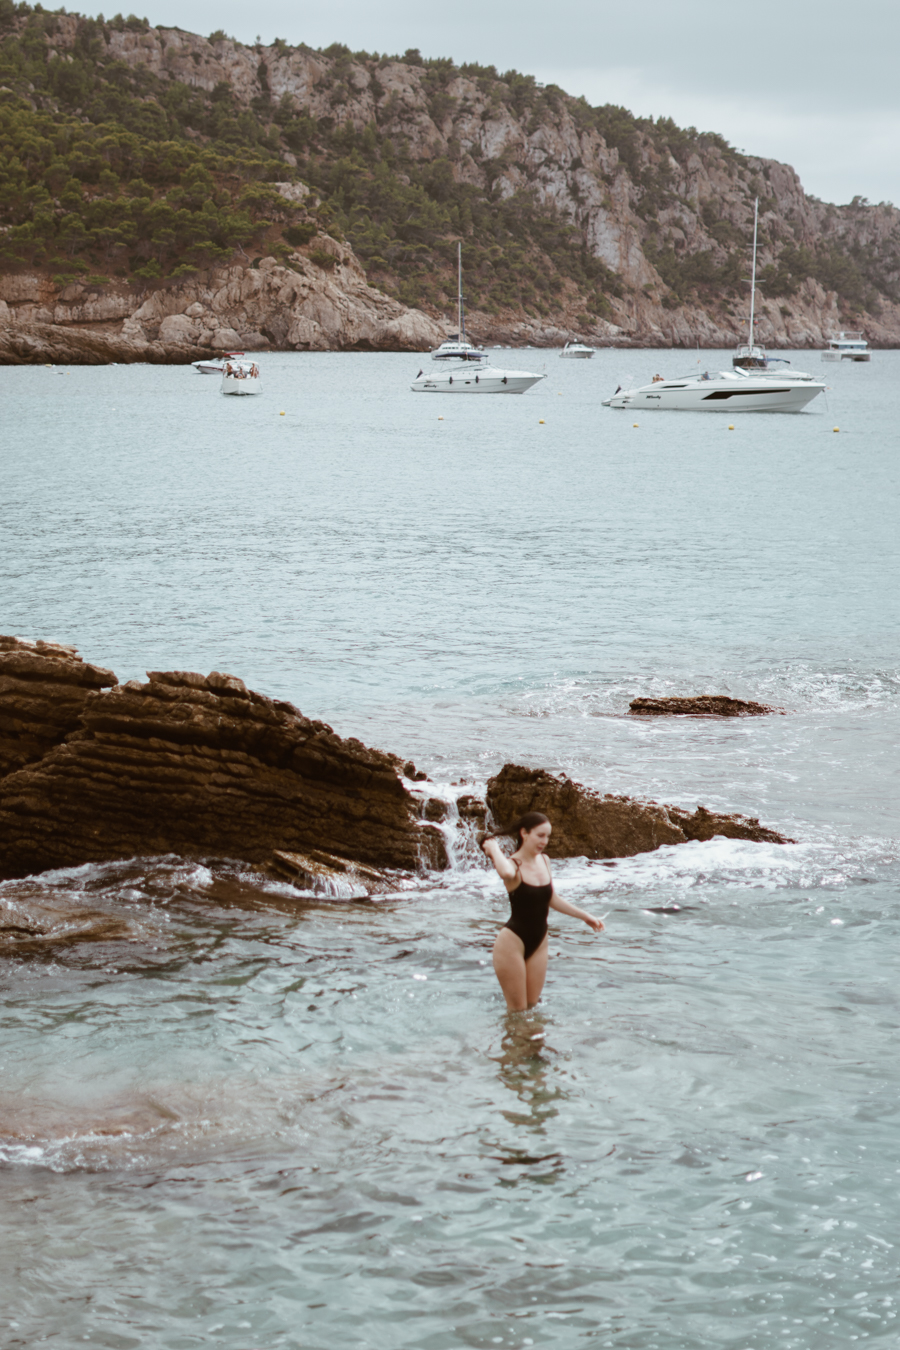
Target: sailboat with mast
(752, 356)
(457, 347)
(466, 368)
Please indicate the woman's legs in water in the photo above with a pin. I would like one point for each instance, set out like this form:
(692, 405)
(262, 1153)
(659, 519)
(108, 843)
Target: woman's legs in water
(536, 972)
(521, 981)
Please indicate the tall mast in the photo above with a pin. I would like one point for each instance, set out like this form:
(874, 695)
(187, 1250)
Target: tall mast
(753, 273)
(461, 313)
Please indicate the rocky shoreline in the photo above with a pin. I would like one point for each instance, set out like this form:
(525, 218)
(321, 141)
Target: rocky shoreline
(298, 306)
(92, 771)
(301, 306)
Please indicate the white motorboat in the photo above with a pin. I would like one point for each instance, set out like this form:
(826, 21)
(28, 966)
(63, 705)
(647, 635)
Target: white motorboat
(728, 391)
(847, 347)
(241, 377)
(457, 346)
(578, 351)
(463, 379)
(214, 365)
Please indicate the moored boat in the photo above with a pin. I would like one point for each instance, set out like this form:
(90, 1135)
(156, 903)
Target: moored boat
(728, 391)
(847, 346)
(752, 355)
(457, 347)
(463, 379)
(578, 351)
(214, 365)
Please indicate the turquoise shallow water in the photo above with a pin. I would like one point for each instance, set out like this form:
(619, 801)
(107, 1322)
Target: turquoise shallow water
(232, 1117)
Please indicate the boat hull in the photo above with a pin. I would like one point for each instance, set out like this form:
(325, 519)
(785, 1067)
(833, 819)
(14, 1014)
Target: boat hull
(242, 388)
(467, 381)
(719, 396)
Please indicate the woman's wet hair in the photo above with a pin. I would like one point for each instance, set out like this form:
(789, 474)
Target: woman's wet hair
(530, 821)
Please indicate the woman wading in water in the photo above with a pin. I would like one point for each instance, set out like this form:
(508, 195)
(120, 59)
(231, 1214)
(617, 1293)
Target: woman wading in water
(521, 949)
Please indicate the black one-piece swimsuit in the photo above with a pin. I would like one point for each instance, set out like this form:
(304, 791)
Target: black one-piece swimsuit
(530, 906)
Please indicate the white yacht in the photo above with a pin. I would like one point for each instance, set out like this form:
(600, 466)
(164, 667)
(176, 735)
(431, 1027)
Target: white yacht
(847, 347)
(241, 377)
(214, 365)
(457, 346)
(728, 391)
(464, 379)
(578, 351)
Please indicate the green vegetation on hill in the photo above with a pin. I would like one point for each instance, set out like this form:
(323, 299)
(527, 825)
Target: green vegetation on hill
(108, 169)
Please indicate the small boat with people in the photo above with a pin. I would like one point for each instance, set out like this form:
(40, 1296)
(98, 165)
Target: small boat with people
(847, 346)
(728, 391)
(241, 377)
(577, 351)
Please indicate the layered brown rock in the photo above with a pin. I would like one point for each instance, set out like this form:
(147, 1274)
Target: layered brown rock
(704, 705)
(43, 689)
(588, 825)
(194, 765)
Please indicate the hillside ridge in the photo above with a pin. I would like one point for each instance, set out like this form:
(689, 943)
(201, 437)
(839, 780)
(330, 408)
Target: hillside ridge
(156, 159)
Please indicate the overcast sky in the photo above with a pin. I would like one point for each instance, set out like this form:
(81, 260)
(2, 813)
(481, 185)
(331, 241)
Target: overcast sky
(813, 84)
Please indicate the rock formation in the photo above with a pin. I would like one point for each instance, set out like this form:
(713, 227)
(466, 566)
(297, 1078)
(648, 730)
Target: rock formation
(588, 825)
(704, 705)
(201, 766)
(188, 764)
(295, 307)
(43, 690)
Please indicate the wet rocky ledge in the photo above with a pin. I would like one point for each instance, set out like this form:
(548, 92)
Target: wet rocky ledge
(700, 705)
(95, 771)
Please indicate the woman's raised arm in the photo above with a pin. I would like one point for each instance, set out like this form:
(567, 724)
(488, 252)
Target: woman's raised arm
(492, 850)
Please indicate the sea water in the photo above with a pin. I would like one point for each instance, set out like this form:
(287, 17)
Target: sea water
(235, 1115)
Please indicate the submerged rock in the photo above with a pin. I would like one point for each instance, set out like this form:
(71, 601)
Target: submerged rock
(188, 764)
(330, 875)
(704, 705)
(586, 824)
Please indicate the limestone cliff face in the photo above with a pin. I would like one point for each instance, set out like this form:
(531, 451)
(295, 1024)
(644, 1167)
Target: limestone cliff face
(299, 307)
(633, 203)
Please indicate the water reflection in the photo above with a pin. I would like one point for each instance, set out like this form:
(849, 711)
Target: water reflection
(527, 1069)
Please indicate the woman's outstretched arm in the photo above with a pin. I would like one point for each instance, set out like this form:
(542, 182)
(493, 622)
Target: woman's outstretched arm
(564, 907)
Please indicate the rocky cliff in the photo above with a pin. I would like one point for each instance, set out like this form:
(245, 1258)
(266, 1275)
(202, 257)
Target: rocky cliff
(576, 221)
(296, 306)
